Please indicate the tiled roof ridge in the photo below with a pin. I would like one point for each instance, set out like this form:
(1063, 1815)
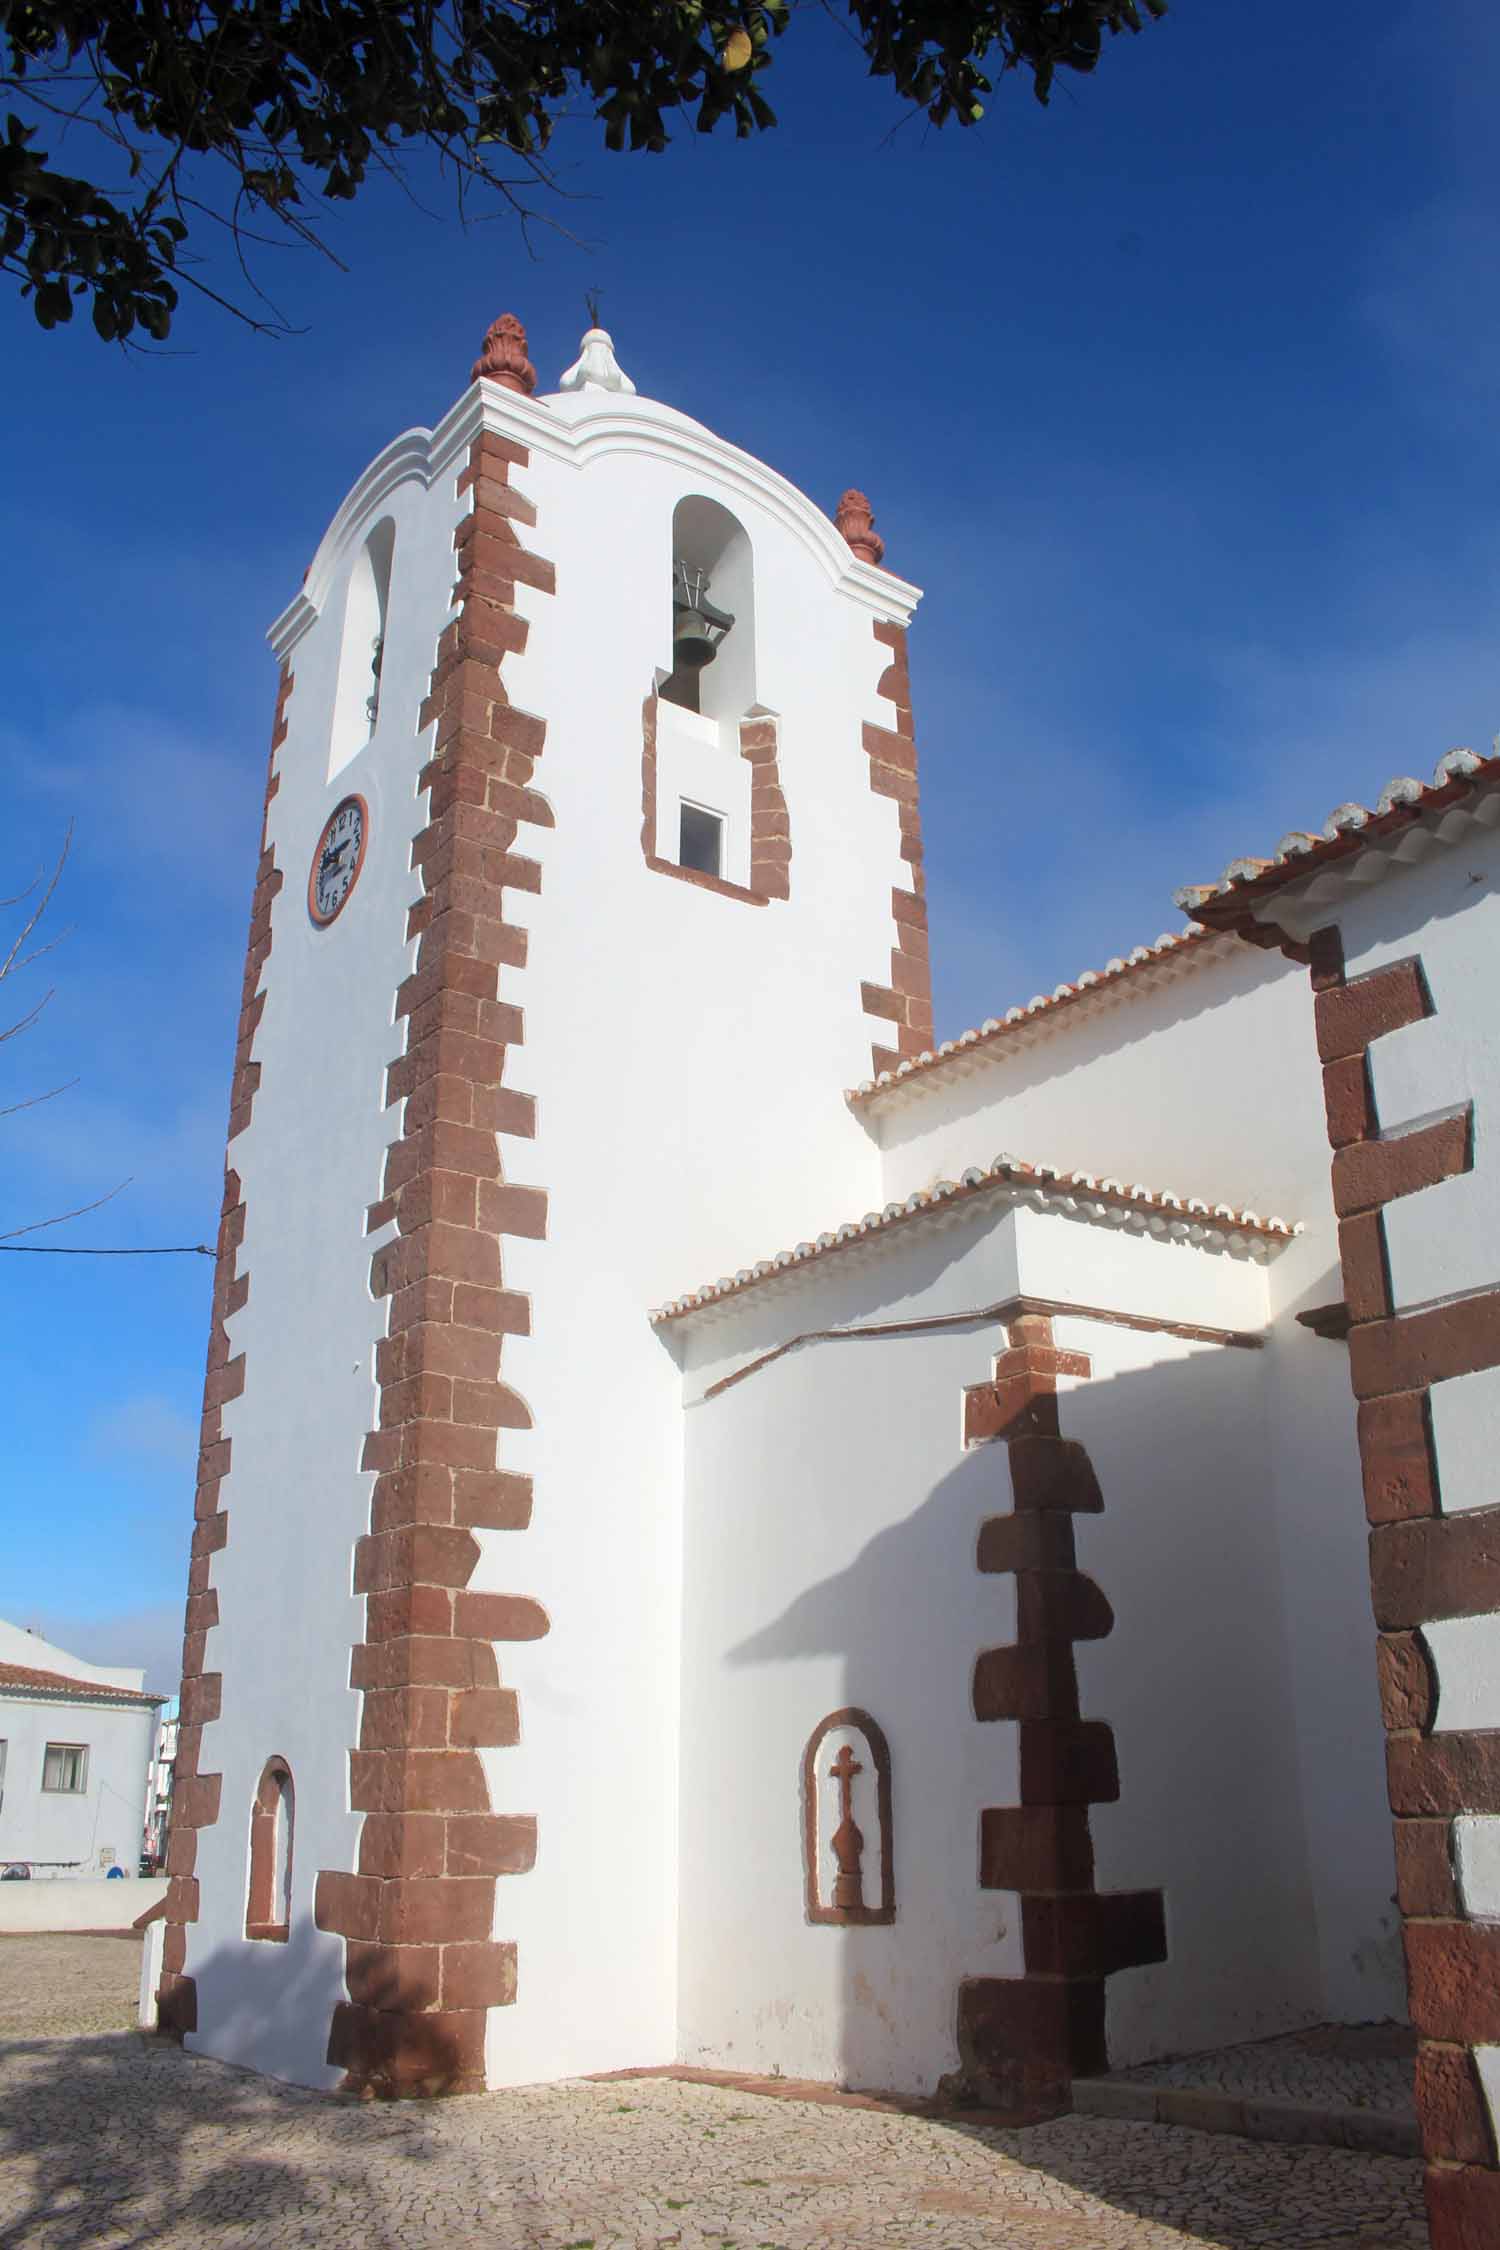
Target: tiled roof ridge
(30, 1675)
(1347, 829)
(1158, 1211)
(1087, 983)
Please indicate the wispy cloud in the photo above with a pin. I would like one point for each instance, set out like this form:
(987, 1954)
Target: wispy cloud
(149, 1635)
(149, 1429)
(142, 791)
(1076, 861)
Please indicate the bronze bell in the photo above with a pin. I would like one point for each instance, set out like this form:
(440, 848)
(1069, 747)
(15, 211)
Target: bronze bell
(698, 625)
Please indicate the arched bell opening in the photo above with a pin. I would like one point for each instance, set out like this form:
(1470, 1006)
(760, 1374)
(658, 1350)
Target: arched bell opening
(356, 708)
(713, 613)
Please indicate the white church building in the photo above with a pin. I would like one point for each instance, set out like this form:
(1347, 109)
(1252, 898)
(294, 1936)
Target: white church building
(729, 1534)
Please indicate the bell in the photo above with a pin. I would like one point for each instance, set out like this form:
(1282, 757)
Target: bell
(698, 625)
(692, 641)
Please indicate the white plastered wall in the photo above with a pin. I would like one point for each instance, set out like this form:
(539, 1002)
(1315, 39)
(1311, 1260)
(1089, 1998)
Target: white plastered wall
(1433, 898)
(832, 1515)
(310, 1162)
(1444, 1241)
(1202, 1077)
(685, 1050)
(677, 1044)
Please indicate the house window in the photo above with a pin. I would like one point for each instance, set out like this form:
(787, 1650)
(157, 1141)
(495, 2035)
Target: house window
(701, 840)
(268, 1903)
(65, 1768)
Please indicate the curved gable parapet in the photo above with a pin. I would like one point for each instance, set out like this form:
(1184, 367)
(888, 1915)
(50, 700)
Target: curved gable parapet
(410, 456)
(580, 428)
(642, 425)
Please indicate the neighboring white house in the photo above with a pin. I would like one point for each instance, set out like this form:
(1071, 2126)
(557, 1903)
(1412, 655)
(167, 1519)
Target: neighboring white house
(75, 1749)
(159, 1785)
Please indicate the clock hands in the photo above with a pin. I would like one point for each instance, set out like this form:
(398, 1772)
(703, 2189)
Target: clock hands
(336, 860)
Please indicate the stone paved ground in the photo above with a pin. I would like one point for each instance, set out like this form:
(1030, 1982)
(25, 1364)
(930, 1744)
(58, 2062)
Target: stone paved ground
(1358, 2066)
(112, 2142)
(51, 1985)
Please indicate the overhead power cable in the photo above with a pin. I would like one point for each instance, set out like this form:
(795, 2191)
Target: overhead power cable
(57, 1250)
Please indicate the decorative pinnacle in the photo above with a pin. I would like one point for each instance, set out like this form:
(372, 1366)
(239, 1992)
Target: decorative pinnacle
(503, 358)
(596, 368)
(856, 521)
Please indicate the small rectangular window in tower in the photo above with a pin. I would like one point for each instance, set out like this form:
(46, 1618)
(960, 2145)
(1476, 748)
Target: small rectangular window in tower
(701, 840)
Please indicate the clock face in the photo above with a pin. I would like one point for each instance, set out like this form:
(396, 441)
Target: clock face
(338, 859)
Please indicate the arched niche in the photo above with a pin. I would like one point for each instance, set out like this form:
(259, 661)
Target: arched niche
(268, 1896)
(356, 703)
(847, 1854)
(707, 537)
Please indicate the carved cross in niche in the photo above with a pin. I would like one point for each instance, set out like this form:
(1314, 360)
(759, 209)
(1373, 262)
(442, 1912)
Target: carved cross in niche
(833, 1866)
(847, 1841)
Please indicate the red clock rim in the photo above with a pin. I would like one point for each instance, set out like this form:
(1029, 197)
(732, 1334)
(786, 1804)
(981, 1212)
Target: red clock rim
(322, 921)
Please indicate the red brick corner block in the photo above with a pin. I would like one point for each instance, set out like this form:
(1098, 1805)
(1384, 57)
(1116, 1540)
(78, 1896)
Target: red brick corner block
(905, 1004)
(1423, 1566)
(421, 1965)
(195, 1796)
(1023, 2039)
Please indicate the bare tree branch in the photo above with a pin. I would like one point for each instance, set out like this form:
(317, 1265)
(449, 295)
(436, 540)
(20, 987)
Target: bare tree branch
(37, 1226)
(32, 1100)
(24, 1023)
(11, 963)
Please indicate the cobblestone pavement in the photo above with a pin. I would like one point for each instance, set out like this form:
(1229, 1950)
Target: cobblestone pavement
(51, 1985)
(1357, 2066)
(113, 2142)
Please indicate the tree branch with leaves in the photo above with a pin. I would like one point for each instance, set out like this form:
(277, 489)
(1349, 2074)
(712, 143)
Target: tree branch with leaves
(176, 119)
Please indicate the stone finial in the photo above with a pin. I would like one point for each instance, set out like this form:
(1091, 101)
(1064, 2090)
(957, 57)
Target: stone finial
(856, 521)
(503, 358)
(596, 368)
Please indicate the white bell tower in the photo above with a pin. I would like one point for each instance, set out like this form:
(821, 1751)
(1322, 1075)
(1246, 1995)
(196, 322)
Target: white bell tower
(591, 875)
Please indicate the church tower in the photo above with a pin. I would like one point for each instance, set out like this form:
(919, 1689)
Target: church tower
(590, 878)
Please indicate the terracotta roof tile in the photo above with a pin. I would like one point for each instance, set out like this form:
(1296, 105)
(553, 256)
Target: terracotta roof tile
(1123, 972)
(1078, 1193)
(1349, 829)
(58, 1683)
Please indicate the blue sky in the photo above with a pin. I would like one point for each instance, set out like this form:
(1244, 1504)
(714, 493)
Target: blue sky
(1179, 399)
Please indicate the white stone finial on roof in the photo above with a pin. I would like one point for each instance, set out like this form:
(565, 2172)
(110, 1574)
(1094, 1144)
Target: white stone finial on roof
(596, 368)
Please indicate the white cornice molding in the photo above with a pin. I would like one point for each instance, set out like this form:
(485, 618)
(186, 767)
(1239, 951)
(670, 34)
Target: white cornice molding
(613, 425)
(1006, 1183)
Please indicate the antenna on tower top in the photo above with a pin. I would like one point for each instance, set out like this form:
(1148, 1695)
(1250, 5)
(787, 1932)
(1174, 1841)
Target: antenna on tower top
(591, 306)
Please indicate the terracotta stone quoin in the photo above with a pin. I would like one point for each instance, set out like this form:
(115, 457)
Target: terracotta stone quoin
(1424, 1566)
(1023, 2039)
(904, 1005)
(421, 1968)
(196, 1795)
